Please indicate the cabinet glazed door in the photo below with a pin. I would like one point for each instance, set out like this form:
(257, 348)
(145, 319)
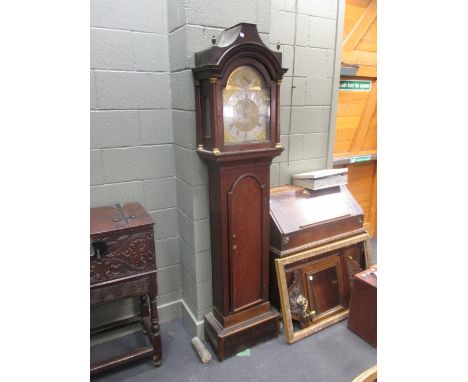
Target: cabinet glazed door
(245, 231)
(324, 285)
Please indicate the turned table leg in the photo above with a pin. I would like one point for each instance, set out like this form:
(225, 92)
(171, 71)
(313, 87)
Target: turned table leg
(144, 310)
(155, 336)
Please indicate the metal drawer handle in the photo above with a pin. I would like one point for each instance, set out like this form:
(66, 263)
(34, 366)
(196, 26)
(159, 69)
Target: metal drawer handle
(304, 304)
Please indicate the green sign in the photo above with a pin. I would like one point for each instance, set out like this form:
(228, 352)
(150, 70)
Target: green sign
(360, 158)
(356, 85)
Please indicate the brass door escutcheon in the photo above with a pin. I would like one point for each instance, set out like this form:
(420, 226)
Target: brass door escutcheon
(304, 304)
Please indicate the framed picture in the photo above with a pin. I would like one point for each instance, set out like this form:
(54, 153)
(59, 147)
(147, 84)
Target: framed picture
(315, 285)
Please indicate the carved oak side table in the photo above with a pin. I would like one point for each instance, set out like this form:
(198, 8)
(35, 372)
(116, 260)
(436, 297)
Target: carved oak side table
(122, 266)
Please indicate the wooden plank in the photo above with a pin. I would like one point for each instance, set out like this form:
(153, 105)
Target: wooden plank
(367, 71)
(120, 360)
(369, 40)
(360, 28)
(373, 207)
(370, 375)
(366, 118)
(359, 57)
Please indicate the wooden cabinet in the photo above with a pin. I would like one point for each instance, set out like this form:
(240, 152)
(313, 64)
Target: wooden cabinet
(317, 245)
(363, 309)
(123, 265)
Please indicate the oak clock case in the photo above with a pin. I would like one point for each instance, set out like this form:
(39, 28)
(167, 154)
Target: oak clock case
(237, 84)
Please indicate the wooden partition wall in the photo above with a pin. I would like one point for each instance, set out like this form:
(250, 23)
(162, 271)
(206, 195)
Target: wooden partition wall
(356, 123)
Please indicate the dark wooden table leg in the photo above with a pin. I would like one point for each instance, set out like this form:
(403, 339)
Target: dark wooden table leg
(155, 335)
(144, 310)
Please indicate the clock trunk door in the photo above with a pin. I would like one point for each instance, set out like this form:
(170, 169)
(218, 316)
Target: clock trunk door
(245, 231)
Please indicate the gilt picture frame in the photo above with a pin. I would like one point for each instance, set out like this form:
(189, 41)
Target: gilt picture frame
(281, 265)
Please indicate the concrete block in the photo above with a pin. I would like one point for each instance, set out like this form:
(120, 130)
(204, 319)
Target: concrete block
(295, 147)
(265, 37)
(202, 235)
(313, 62)
(111, 49)
(226, 14)
(302, 30)
(285, 91)
(127, 90)
(185, 198)
(188, 260)
(315, 145)
(203, 266)
(93, 97)
(288, 57)
(309, 119)
(282, 27)
(208, 35)
(156, 126)
(165, 223)
(284, 140)
(186, 229)
(107, 194)
(175, 14)
(184, 126)
(274, 175)
(171, 311)
(136, 15)
(114, 129)
(167, 252)
(189, 291)
(159, 193)
(318, 90)
(169, 279)
(177, 49)
(193, 200)
(151, 52)
(321, 33)
(204, 294)
(189, 167)
(168, 298)
(326, 9)
(277, 5)
(287, 169)
(201, 202)
(202, 313)
(285, 117)
(289, 5)
(195, 42)
(183, 93)
(138, 163)
(298, 94)
(263, 16)
(96, 167)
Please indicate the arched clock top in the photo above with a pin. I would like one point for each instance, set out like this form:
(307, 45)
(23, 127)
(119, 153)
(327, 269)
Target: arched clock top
(238, 121)
(241, 40)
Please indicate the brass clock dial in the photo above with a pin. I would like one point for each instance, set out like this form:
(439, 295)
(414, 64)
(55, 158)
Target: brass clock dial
(246, 107)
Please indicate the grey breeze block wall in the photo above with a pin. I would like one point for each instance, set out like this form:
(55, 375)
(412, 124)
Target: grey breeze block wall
(132, 151)
(143, 120)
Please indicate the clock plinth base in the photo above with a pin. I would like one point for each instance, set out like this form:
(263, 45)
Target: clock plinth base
(227, 342)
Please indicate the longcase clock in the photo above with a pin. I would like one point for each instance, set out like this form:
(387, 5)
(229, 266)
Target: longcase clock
(237, 87)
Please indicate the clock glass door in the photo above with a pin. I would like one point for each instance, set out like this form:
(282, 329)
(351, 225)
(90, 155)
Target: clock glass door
(246, 107)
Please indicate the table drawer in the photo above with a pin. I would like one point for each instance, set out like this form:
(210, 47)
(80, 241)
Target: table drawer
(121, 254)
